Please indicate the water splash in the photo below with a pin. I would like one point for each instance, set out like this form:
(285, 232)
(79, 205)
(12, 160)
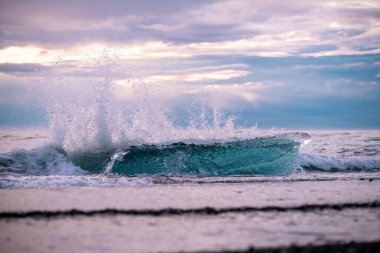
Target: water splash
(89, 115)
(117, 156)
(97, 125)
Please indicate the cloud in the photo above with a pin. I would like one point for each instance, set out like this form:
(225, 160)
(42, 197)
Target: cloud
(40, 10)
(203, 74)
(232, 52)
(191, 28)
(317, 48)
(231, 95)
(20, 68)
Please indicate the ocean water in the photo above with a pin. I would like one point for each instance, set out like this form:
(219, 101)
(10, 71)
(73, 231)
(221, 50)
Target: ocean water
(95, 138)
(31, 158)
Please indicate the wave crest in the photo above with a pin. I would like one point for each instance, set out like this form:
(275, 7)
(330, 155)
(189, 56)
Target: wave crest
(325, 163)
(45, 160)
(272, 155)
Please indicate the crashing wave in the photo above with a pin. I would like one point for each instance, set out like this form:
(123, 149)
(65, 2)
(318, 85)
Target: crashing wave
(272, 155)
(45, 160)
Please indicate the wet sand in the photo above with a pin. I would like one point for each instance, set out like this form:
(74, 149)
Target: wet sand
(339, 214)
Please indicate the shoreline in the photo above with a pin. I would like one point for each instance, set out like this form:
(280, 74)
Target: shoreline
(332, 215)
(350, 247)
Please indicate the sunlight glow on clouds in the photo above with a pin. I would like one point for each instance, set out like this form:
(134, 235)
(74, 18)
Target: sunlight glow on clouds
(26, 54)
(244, 91)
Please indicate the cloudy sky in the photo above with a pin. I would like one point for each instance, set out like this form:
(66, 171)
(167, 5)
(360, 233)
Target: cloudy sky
(291, 64)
